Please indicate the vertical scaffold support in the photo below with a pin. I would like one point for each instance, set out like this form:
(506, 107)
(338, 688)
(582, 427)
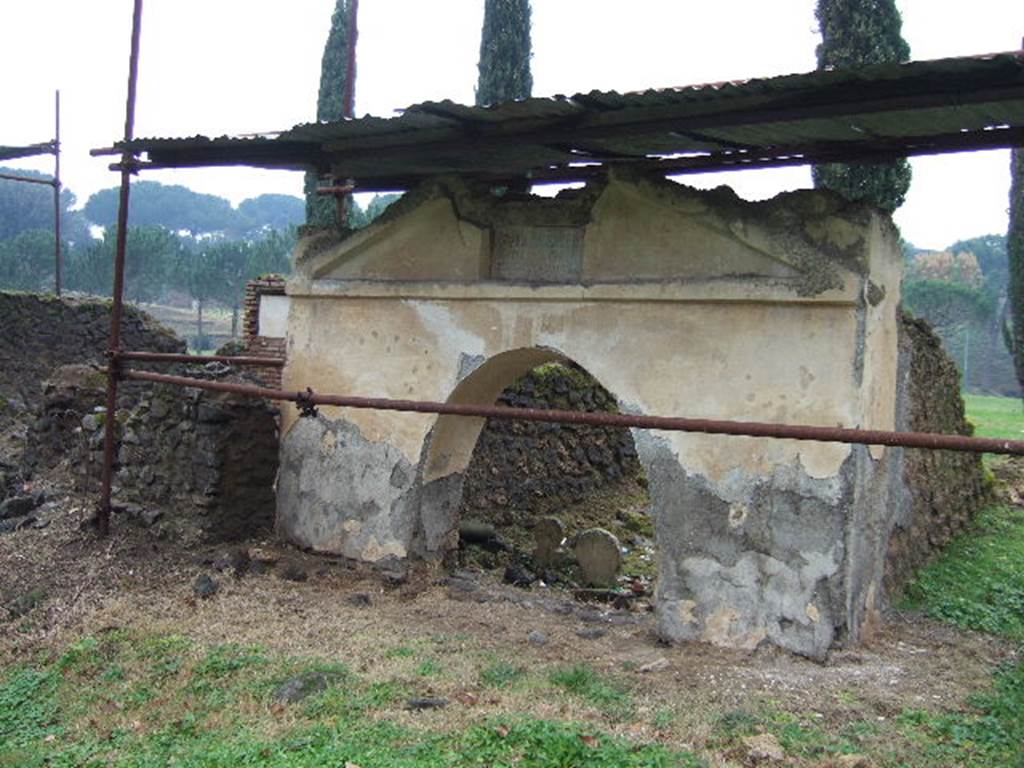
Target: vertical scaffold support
(114, 363)
(58, 261)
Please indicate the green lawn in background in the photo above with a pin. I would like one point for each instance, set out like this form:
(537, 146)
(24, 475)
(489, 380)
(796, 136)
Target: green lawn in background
(996, 417)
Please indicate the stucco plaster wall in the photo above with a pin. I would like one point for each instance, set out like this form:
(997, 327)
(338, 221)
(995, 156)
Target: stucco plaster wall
(679, 303)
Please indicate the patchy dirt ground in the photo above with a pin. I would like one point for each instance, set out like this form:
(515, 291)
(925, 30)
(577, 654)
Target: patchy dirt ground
(77, 584)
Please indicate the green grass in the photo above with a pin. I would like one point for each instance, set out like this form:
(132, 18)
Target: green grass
(978, 583)
(992, 736)
(1001, 418)
(429, 668)
(800, 735)
(216, 708)
(500, 674)
(595, 689)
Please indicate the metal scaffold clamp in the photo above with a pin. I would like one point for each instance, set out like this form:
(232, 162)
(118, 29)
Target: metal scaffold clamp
(114, 364)
(128, 162)
(304, 400)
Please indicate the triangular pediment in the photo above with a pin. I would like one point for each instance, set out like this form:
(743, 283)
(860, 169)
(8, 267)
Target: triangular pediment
(620, 230)
(427, 243)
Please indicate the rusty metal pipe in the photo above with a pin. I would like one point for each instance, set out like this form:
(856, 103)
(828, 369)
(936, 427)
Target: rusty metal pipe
(170, 357)
(335, 191)
(117, 309)
(927, 440)
(27, 179)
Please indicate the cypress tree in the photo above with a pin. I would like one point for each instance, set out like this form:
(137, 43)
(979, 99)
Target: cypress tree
(1014, 330)
(504, 52)
(330, 105)
(855, 33)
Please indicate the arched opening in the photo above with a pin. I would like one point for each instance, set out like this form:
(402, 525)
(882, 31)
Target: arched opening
(566, 504)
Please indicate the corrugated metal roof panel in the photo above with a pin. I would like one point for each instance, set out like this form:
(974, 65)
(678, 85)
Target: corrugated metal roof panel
(29, 150)
(870, 110)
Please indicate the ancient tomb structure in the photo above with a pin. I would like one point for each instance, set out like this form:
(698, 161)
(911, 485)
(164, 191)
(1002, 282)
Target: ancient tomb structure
(680, 303)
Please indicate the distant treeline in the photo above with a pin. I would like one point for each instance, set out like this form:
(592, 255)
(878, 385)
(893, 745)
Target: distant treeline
(183, 246)
(961, 292)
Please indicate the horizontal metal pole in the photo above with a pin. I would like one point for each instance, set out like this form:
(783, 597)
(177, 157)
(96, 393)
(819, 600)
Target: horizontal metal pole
(875, 151)
(670, 423)
(169, 357)
(30, 150)
(28, 179)
(347, 189)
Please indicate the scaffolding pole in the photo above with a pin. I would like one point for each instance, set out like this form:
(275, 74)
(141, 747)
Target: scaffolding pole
(127, 166)
(57, 263)
(52, 147)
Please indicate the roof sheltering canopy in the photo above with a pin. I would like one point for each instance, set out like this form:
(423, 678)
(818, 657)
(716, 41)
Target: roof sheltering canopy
(874, 113)
(29, 150)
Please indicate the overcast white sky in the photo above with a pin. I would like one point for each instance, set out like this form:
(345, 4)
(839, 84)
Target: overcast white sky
(243, 66)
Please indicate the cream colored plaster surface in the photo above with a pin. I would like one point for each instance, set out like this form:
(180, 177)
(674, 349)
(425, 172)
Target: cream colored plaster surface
(272, 320)
(637, 237)
(709, 291)
(880, 335)
(429, 243)
(706, 339)
(752, 362)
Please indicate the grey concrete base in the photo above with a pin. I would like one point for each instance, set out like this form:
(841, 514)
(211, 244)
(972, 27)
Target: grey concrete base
(786, 559)
(338, 492)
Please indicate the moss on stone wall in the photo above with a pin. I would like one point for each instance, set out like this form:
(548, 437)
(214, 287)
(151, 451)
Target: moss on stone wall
(946, 488)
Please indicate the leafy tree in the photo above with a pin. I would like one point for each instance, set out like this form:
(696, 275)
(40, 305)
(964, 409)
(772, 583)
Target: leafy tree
(1014, 328)
(271, 254)
(504, 68)
(946, 304)
(961, 268)
(153, 262)
(203, 272)
(171, 206)
(330, 105)
(271, 212)
(231, 262)
(953, 293)
(25, 206)
(990, 251)
(218, 270)
(26, 261)
(360, 217)
(855, 33)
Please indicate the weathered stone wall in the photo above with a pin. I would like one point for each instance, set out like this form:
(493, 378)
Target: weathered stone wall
(945, 488)
(519, 463)
(41, 332)
(678, 302)
(205, 461)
